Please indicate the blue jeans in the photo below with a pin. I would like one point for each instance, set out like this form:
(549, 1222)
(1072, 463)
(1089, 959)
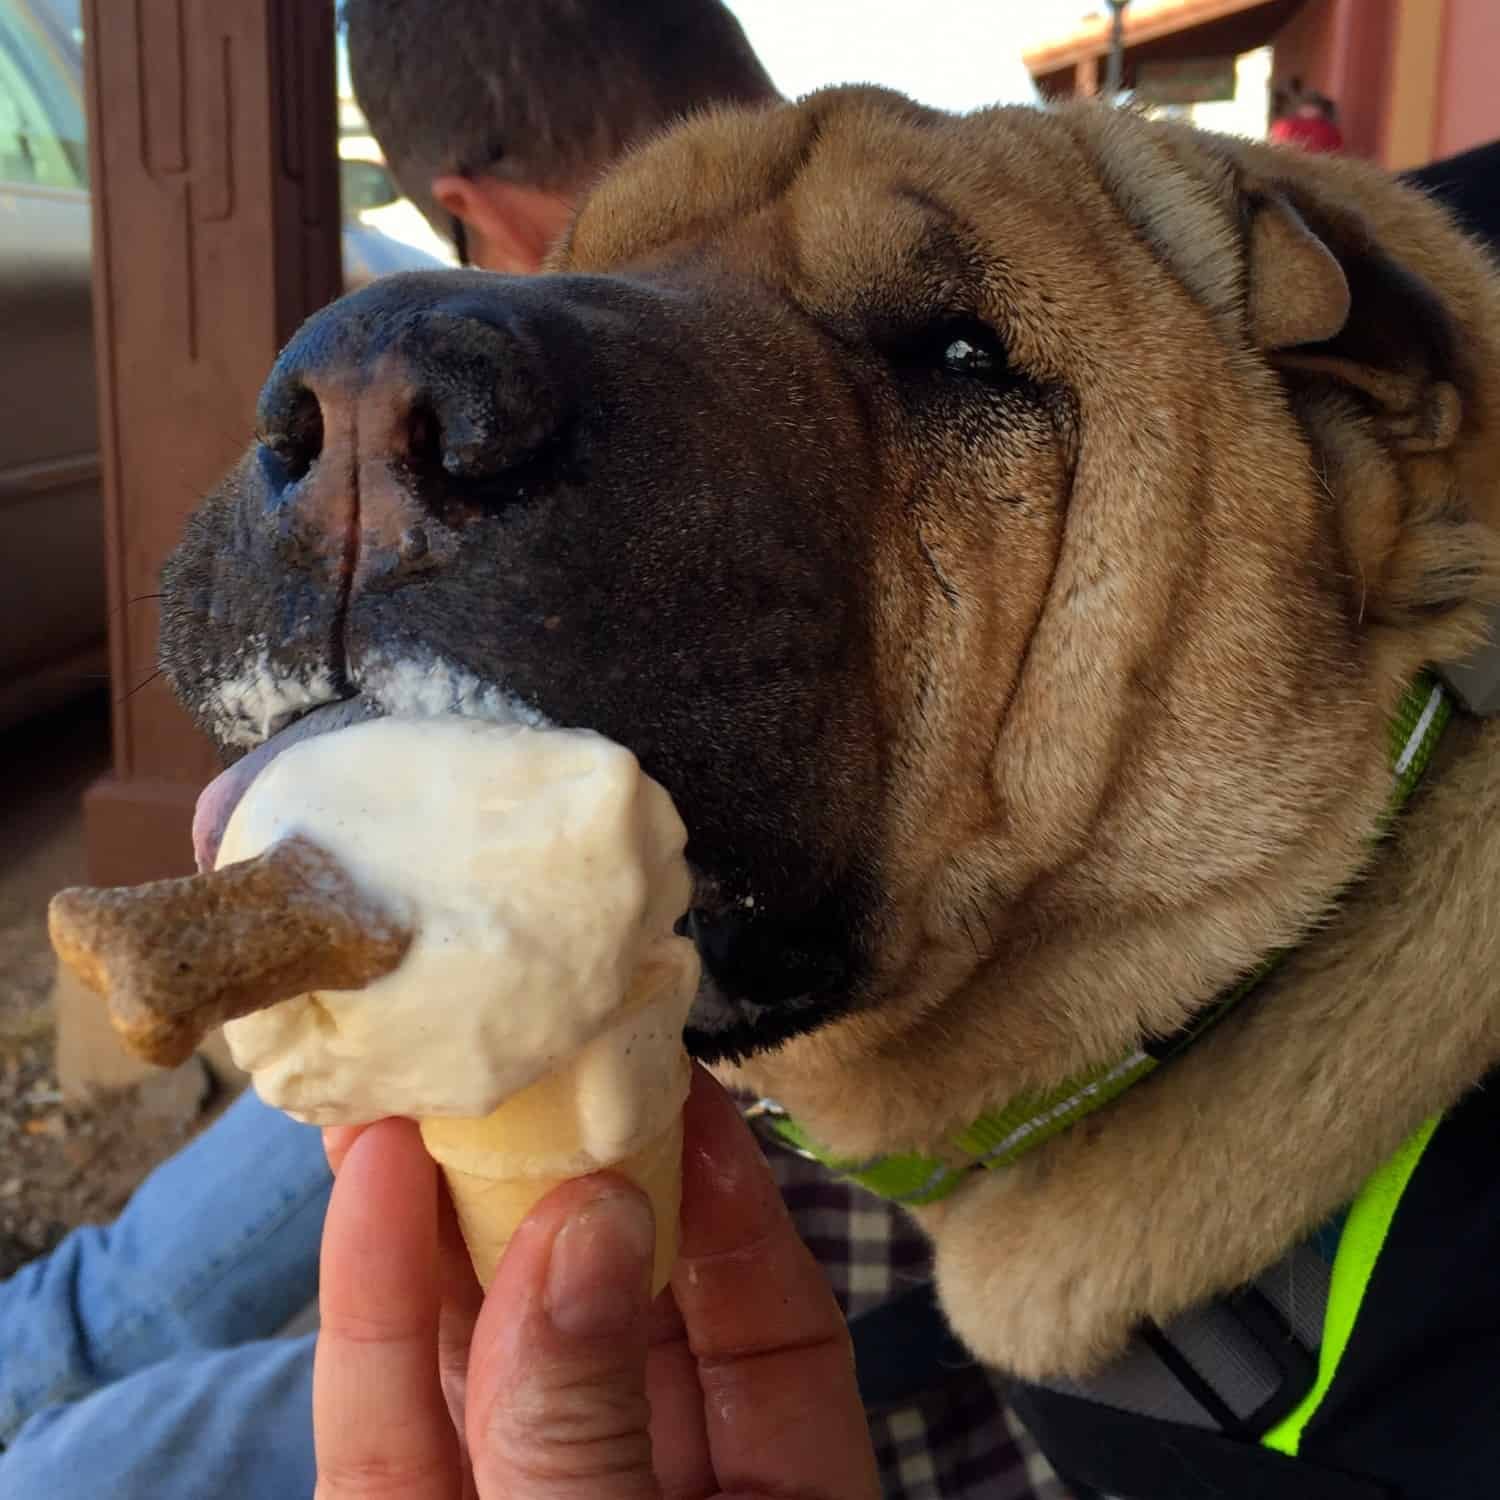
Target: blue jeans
(139, 1361)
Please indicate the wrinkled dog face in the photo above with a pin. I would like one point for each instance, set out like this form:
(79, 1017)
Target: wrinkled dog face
(861, 470)
(708, 465)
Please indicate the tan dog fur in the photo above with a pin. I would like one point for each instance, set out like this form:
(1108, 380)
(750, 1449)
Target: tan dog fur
(1137, 738)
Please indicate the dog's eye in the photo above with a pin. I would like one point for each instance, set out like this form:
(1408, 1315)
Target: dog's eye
(965, 347)
(966, 354)
(957, 350)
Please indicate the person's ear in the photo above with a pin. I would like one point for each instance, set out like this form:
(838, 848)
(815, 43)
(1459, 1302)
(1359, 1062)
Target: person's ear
(511, 226)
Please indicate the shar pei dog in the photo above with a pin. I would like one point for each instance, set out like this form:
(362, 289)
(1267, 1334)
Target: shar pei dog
(1012, 540)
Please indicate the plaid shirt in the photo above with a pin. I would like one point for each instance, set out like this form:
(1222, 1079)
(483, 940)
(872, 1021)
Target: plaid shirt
(959, 1441)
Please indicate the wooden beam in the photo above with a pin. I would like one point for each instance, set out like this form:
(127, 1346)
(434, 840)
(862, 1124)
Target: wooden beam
(216, 231)
(1144, 22)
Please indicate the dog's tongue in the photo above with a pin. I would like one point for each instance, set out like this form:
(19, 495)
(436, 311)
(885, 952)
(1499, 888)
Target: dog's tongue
(218, 800)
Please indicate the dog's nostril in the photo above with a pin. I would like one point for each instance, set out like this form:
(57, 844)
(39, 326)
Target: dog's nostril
(413, 545)
(474, 459)
(480, 442)
(463, 438)
(424, 438)
(297, 436)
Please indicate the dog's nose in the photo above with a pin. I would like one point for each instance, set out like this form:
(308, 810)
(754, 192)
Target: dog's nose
(381, 434)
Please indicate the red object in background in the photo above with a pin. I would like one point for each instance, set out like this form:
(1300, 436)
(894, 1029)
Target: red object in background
(1309, 132)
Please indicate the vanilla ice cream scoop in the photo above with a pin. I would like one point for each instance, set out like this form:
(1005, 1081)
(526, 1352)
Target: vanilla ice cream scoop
(540, 873)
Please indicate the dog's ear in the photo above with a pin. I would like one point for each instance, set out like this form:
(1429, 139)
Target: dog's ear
(1297, 291)
(1295, 268)
(1324, 298)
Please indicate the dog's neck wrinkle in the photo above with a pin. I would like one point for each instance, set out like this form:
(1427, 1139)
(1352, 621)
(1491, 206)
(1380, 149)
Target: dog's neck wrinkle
(906, 1077)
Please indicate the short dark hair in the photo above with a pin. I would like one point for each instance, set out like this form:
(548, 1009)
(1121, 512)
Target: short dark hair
(544, 92)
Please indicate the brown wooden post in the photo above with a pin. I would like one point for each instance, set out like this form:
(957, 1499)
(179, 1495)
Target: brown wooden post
(216, 231)
(1086, 76)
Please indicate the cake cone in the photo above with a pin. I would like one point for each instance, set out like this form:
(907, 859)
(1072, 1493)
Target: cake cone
(491, 1208)
(500, 1166)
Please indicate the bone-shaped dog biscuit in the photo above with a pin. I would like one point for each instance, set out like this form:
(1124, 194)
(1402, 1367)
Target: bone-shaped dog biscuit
(176, 958)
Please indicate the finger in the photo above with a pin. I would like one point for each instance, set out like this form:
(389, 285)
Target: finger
(462, 1297)
(557, 1378)
(679, 1436)
(380, 1425)
(337, 1139)
(774, 1357)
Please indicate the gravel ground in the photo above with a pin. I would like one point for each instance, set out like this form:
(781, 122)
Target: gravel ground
(61, 1165)
(65, 1165)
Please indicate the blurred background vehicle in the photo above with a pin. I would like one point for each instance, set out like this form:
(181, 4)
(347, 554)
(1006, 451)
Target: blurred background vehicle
(52, 579)
(377, 216)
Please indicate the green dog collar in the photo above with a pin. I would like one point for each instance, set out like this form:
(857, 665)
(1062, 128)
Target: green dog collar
(1004, 1136)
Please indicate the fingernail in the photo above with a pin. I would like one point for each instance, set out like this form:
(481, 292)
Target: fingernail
(600, 1274)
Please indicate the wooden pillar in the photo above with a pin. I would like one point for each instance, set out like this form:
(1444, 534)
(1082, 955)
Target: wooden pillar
(1086, 76)
(212, 132)
(1416, 59)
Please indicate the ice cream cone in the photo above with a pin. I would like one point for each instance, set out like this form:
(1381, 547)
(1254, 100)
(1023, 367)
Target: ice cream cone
(504, 932)
(491, 1208)
(575, 1120)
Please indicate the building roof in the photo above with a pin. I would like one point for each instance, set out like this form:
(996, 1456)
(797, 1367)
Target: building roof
(1160, 30)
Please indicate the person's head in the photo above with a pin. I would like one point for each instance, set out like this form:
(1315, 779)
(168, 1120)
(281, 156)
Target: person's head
(495, 114)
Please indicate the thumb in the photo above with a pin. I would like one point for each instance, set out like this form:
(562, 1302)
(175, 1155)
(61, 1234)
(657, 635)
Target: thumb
(557, 1401)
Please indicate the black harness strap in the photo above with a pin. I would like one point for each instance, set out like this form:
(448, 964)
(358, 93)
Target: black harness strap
(903, 1349)
(1125, 1456)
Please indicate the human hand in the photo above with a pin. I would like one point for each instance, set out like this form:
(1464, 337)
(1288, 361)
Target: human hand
(567, 1381)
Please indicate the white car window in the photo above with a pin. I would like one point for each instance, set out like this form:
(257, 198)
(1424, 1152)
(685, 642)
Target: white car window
(41, 117)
